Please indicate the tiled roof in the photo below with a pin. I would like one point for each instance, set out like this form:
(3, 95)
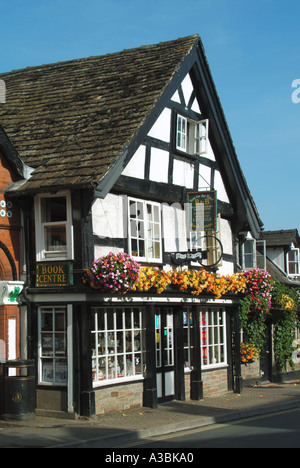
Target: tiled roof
(71, 121)
(281, 238)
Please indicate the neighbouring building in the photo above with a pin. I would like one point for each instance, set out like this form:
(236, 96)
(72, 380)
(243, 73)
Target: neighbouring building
(282, 248)
(121, 148)
(277, 252)
(12, 259)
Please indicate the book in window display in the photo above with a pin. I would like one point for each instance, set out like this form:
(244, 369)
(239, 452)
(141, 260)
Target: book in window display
(61, 372)
(60, 345)
(47, 345)
(47, 371)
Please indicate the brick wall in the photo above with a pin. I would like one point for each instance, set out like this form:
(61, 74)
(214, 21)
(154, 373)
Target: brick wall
(251, 371)
(119, 398)
(214, 383)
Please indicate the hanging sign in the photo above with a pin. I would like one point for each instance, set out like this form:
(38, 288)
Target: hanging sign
(53, 274)
(10, 291)
(202, 209)
(183, 257)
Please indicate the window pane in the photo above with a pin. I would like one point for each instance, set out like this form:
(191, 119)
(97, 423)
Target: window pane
(61, 371)
(60, 324)
(47, 344)
(55, 238)
(201, 137)
(54, 209)
(47, 321)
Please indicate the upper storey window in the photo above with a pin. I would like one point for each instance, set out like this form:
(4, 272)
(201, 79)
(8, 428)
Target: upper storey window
(192, 136)
(54, 226)
(145, 230)
(293, 262)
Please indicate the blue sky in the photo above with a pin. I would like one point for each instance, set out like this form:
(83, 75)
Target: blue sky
(252, 48)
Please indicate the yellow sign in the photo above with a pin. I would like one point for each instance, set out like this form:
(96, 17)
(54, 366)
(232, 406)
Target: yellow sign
(53, 274)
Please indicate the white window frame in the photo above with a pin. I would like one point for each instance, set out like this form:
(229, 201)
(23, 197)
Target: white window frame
(52, 336)
(201, 137)
(192, 135)
(181, 133)
(41, 253)
(248, 255)
(215, 342)
(144, 230)
(118, 350)
(293, 262)
(188, 346)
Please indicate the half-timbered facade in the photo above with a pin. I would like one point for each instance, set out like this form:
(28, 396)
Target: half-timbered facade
(119, 145)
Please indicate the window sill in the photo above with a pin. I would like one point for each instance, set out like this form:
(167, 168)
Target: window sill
(121, 380)
(52, 384)
(214, 366)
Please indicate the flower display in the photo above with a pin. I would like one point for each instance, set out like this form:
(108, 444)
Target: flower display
(287, 302)
(285, 297)
(248, 353)
(119, 273)
(194, 281)
(259, 290)
(114, 273)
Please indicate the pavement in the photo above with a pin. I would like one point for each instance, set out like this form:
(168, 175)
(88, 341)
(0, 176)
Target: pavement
(119, 429)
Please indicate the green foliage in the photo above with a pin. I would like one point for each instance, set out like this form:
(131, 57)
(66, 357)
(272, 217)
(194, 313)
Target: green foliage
(253, 324)
(285, 299)
(284, 335)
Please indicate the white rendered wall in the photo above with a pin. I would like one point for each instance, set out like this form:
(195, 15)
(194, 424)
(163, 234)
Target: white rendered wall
(159, 165)
(136, 166)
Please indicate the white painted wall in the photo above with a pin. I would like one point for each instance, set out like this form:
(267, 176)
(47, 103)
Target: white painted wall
(108, 221)
(159, 165)
(136, 166)
(162, 127)
(174, 228)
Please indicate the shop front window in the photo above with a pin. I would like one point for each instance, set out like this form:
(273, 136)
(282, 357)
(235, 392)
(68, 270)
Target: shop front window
(118, 344)
(213, 337)
(53, 345)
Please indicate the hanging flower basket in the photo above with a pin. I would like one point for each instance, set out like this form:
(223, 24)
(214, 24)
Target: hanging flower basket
(249, 353)
(113, 273)
(259, 290)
